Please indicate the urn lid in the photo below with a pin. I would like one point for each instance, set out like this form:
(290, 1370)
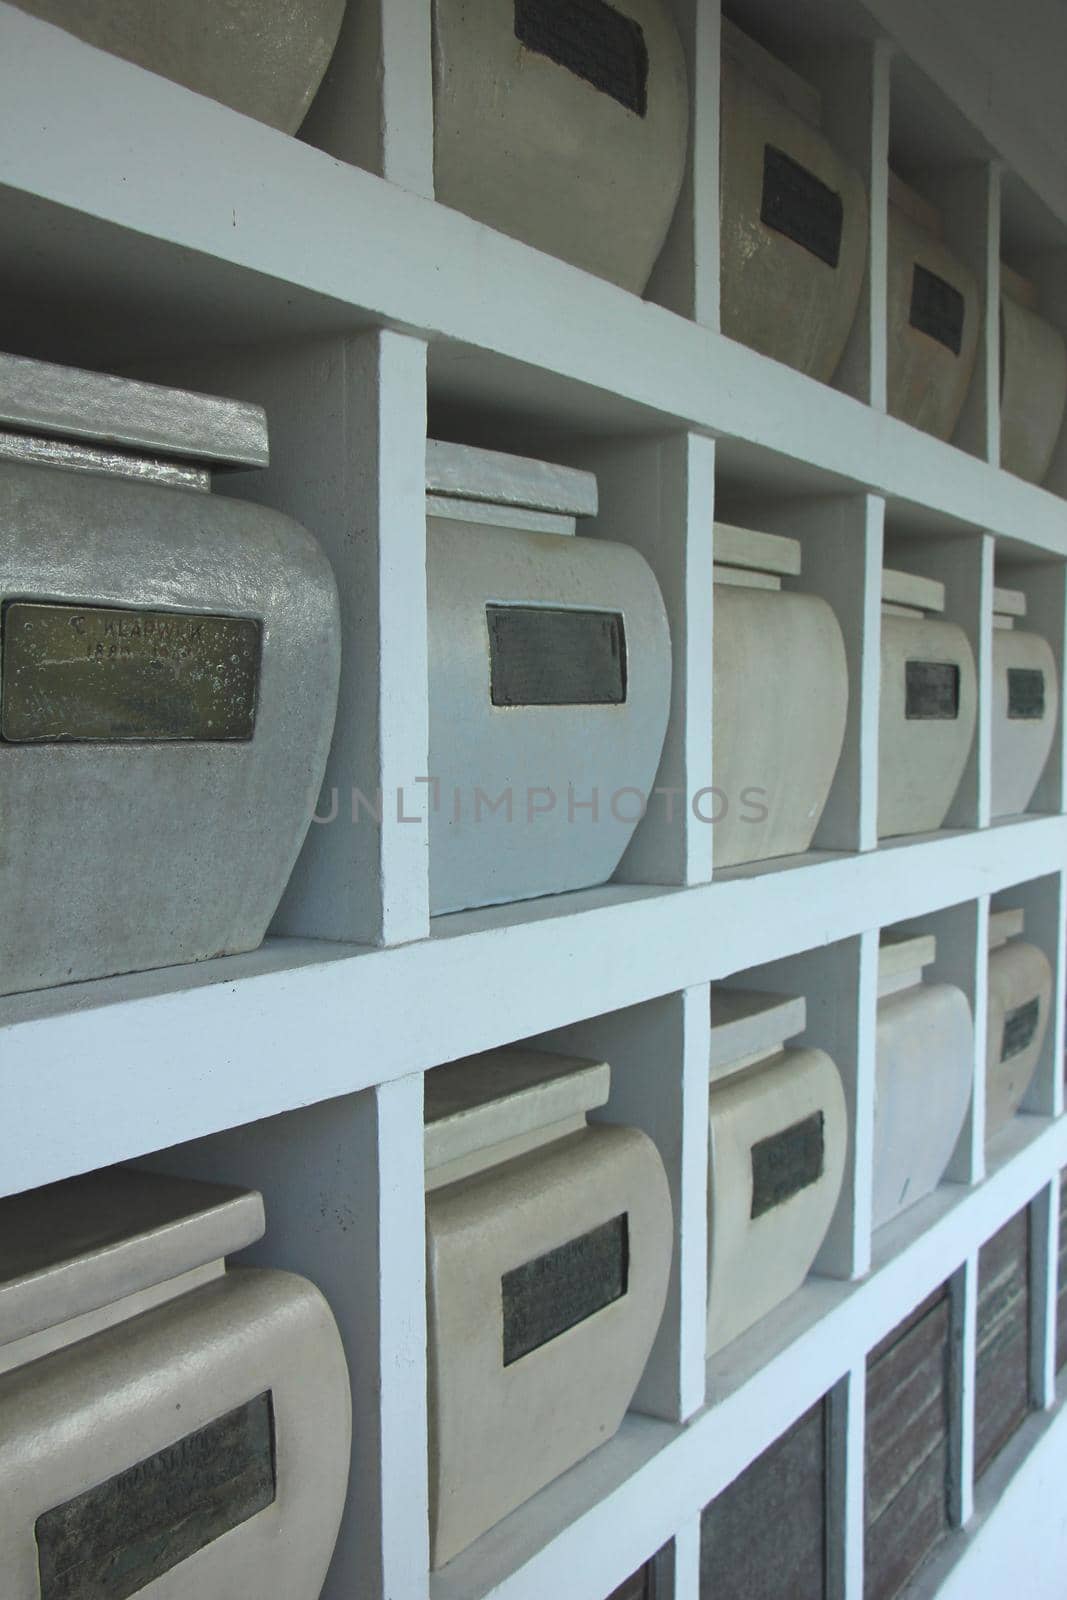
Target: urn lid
(1007, 605)
(1005, 925)
(747, 1025)
(75, 1246)
(43, 399)
(902, 957)
(461, 472)
(907, 592)
(504, 1095)
(751, 559)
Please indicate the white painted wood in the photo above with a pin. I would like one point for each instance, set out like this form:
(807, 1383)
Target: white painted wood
(963, 1346)
(845, 1486)
(678, 1570)
(375, 105)
(1044, 1284)
(685, 279)
(659, 1083)
(342, 1187)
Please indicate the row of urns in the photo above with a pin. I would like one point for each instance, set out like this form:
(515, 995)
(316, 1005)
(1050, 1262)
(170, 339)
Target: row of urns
(567, 126)
(160, 1415)
(170, 669)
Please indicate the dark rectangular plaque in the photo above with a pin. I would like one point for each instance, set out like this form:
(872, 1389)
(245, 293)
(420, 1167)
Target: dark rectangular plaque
(1026, 694)
(1020, 1026)
(797, 203)
(932, 691)
(786, 1162)
(1002, 1361)
(592, 40)
(102, 674)
(116, 1539)
(937, 309)
(544, 656)
(556, 1291)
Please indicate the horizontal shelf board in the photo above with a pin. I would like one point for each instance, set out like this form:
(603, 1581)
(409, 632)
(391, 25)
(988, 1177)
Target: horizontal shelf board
(102, 223)
(186, 1051)
(586, 1532)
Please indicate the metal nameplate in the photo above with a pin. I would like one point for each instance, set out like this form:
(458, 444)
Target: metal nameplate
(100, 674)
(114, 1540)
(785, 1163)
(1020, 1027)
(542, 656)
(798, 204)
(556, 1291)
(592, 40)
(937, 309)
(1026, 694)
(932, 691)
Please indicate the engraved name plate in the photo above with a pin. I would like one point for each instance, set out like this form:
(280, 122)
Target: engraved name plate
(540, 656)
(556, 1291)
(798, 204)
(1020, 1026)
(592, 40)
(107, 675)
(113, 1540)
(937, 309)
(1026, 694)
(787, 1162)
(932, 691)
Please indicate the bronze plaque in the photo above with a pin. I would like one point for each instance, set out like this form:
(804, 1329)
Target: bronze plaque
(547, 656)
(592, 40)
(931, 691)
(556, 1291)
(937, 309)
(101, 674)
(799, 205)
(787, 1162)
(1026, 694)
(114, 1540)
(1020, 1026)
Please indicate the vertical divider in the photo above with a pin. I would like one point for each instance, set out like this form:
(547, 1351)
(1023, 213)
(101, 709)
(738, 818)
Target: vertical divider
(846, 1485)
(841, 538)
(375, 106)
(965, 566)
(1043, 902)
(1044, 1287)
(678, 1565)
(963, 1350)
(658, 495)
(658, 1054)
(685, 279)
(853, 80)
(1045, 585)
(343, 1189)
(968, 198)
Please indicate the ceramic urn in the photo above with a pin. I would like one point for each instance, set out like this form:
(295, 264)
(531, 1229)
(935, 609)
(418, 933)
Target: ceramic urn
(1025, 704)
(923, 1075)
(168, 679)
(548, 1254)
(563, 124)
(550, 675)
(779, 698)
(933, 313)
(1020, 998)
(263, 57)
(778, 1140)
(927, 708)
(793, 215)
(168, 1427)
(1033, 381)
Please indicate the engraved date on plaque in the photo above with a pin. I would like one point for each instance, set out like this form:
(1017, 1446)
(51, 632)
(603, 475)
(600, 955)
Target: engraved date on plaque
(103, 674)
(542, 656)
(117, 1538)
(556, 1291)
(1020, 1027)
(798, 204)
(937, 308)
(932, 691)
(592, 40)
(1026, 694)
(785, 1163)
